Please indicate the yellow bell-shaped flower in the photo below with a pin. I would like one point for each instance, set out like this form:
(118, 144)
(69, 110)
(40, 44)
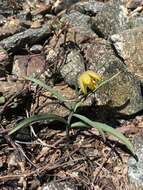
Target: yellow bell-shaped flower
(88, 80)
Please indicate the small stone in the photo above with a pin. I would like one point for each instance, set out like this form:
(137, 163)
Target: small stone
(12, 162)
(36, 24)
(36, 48)
(2, 20)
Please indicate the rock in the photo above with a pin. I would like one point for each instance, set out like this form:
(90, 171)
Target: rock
(8, 7)
(135, 168)
(136, 21)
(123, 91)
(36, 48)
(11, 26)
(73, 66)
(74, 62)
(4, 61)
(111, 19)
(124, 87)
(60, 5)
(30, 36)
(28, 65)
(25, 18)
(41, 8)
(133, 4)
(12, 161)
(78, 24)
(90, 7)
(24, 15)
(129, 46)
(60, 186)
(2, 20)
(10, 87)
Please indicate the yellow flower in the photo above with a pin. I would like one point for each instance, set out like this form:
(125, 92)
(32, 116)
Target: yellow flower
(88, 80)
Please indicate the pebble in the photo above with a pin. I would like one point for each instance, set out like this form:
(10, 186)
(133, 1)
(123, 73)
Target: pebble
(2, 20)
(36, 48)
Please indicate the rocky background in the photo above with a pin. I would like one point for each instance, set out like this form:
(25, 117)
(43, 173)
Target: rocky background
(57, 40)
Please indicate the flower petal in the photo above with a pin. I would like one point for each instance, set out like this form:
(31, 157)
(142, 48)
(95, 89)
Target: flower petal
(88, 80)
(94, 75)
(82, 85)
(92, 86)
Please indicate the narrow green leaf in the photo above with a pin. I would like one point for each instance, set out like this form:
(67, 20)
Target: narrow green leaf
(105, 128)
(51, 90)
(37, 118)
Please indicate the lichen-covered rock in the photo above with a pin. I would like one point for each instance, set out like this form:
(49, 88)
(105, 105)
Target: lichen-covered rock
(73, 66)
(90, 7)
(129, 46)
(79, 24)
(10, 27)
(135, 21)
(124, 90)
(111, 20)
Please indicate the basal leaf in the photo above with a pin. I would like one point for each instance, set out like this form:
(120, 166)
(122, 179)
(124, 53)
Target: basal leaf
(105, 128)
(37, 118)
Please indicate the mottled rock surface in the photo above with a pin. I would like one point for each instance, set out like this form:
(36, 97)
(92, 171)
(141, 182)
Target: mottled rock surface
(129, 46)
(10, 87)
(125, 87)
(73, 67)
(90, 7)
(4, 61)
(11, 27)
(123, 91)
(28, 65)
(111, 20)
(135, 168)
(79, 24)
(133, 4)
(29, 36)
